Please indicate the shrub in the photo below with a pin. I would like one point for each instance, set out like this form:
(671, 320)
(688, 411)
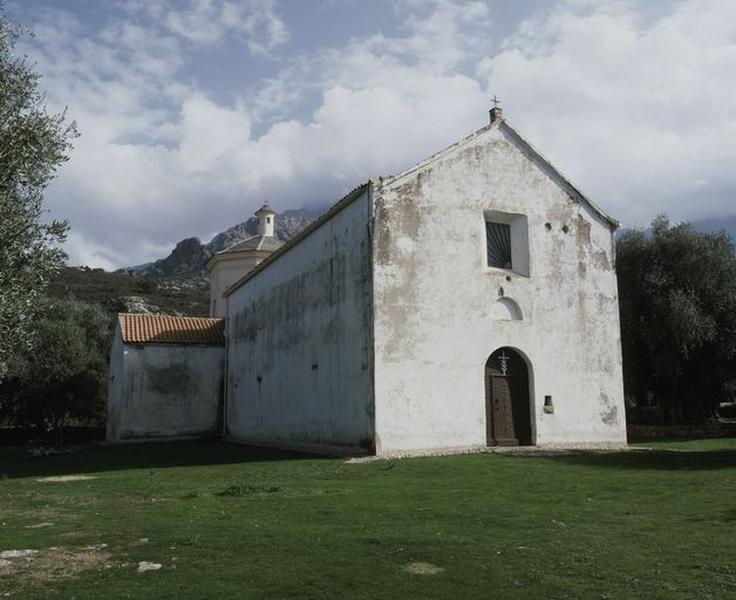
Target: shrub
(62, 378)
(246, 489)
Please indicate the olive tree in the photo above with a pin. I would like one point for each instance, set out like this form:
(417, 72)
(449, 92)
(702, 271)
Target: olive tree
(63, 378)
(33, 144)
(677, 291)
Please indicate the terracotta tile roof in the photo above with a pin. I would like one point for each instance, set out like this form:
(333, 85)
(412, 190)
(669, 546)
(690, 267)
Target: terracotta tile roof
(162, 329)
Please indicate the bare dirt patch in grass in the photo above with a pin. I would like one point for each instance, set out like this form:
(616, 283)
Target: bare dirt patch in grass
(17, 553)
(145, 565)
(29, 568)
(73, 534)
(65, 478)
(422, 568)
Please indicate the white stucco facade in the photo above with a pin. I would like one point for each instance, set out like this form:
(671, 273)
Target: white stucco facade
(372, 331)
(440, 311)
(164, 390)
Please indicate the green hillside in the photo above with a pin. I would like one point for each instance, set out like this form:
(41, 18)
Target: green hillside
(119, 292)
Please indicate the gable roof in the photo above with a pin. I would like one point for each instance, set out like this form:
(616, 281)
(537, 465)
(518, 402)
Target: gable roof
(554, 173)
(530, 152)
(313, 226)
(510, 133)
(164, 329)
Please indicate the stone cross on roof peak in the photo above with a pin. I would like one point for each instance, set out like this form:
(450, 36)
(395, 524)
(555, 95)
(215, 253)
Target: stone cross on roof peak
(496, 112)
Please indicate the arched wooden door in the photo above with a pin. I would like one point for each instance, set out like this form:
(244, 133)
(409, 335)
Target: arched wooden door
(508, 421)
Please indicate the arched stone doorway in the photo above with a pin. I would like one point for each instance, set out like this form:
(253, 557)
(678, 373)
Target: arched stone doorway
(508, 415)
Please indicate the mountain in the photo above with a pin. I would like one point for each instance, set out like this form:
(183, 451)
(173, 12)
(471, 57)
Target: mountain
(727, 224)
(186, 263)
(287, 226)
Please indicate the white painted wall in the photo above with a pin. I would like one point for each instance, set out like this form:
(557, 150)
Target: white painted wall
(434, 297)
(226, 270)
(299, 363)
(164, 390)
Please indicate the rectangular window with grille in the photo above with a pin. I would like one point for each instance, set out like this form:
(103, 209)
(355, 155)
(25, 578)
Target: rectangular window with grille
(498, 241)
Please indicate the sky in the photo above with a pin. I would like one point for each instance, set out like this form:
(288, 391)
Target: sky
(192, 112)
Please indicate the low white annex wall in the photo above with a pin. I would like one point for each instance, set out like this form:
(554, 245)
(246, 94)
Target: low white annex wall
(164, 390)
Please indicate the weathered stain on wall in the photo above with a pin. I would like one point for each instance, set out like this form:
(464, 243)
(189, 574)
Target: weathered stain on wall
(300, 343)
(163, 390)
(433, 296)
(609, 410)
(173, 379)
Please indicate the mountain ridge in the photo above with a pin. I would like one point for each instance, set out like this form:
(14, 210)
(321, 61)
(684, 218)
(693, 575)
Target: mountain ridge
(186, 262)
(185, 265)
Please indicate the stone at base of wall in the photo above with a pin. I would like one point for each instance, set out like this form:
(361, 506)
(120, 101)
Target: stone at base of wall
(541, 450)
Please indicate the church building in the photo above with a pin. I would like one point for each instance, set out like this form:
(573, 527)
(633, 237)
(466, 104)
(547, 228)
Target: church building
(469, 301)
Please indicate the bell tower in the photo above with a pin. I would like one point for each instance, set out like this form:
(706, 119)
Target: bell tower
(266, 217)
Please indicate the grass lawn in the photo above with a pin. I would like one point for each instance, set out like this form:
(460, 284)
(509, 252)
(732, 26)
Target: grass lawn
(653, 523)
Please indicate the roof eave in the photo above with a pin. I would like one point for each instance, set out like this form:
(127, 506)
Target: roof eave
(346, 200)
(156, 343)
(573, 190)
(503, 125)
(387, 179)
(126, 336)
(222, 256)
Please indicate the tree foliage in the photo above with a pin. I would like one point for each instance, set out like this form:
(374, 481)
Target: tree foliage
(677, 291)
(63, 377)
(33, 143)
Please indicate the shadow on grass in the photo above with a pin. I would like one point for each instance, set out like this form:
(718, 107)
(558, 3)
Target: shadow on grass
(669, 460)
(726, 517)
(729, 515)
(94, 458)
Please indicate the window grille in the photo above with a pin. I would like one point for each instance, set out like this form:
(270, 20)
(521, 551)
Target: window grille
(498, 240)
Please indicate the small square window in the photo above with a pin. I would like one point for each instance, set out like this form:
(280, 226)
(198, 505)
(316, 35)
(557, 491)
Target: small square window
(498, 241)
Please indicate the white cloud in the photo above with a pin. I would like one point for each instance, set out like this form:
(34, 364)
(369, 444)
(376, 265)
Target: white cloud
(637, 110)
(641, 114)
(159, 159)
(83, 252)
(208, 22)
(210, 134)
